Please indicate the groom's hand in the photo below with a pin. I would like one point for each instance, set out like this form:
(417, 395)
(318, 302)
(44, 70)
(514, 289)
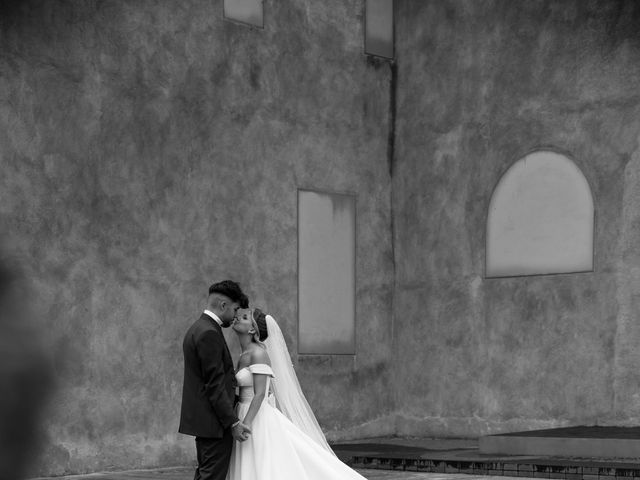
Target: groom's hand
(240, 432)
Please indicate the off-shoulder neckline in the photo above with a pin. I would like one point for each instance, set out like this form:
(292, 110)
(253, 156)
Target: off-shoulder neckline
(253, 365)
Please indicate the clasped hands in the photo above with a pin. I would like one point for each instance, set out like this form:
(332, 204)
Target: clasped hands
(240, 432)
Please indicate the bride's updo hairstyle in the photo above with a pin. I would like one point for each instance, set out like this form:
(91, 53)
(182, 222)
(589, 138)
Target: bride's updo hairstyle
(260, 320)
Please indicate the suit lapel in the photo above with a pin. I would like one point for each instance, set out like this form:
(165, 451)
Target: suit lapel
(215, 325)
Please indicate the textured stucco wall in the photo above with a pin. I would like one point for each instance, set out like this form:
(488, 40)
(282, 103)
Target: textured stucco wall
(481, 84)
(150, 148)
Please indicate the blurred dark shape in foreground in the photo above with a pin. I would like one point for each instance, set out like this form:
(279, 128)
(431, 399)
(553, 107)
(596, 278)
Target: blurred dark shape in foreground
(25, 377)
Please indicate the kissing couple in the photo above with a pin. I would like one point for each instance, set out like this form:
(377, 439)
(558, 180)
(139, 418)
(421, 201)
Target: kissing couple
(266, 432)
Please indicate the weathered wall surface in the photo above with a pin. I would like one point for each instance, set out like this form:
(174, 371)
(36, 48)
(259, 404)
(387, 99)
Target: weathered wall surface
(150, 148)
(480, 84)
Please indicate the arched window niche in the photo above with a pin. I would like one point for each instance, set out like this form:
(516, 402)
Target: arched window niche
(541, 219)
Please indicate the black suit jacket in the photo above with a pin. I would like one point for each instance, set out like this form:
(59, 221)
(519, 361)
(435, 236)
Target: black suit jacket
(209, 385)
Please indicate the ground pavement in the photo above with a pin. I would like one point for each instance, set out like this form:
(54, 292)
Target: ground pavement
(183, 473)
(393, 458)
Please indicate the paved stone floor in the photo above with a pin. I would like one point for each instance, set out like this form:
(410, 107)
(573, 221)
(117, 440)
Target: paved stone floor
(459, 457)
(391, 475)
(187, 474)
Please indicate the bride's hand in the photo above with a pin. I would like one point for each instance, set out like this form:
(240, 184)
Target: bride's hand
(240, 432)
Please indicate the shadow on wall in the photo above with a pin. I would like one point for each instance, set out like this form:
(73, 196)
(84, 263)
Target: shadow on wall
(25, 377)
(11, 11)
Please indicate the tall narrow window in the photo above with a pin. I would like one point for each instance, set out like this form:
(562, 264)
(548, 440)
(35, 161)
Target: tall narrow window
(541, 219)
(326, 273)
(244, 11)
(378, 28)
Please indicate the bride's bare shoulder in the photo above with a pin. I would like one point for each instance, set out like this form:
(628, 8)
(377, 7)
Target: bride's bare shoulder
(259, 355)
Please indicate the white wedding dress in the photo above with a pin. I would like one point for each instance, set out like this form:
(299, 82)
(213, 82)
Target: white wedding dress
(276, 448)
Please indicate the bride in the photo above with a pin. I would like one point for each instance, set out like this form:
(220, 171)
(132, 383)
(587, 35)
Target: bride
(286, 442)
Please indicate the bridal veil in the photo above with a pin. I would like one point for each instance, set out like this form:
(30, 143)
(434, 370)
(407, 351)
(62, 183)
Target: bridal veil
(286, 388)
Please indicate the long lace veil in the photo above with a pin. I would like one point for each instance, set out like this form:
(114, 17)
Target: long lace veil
(286, 388)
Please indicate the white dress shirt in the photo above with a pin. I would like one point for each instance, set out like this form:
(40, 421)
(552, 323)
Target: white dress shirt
(214, 316)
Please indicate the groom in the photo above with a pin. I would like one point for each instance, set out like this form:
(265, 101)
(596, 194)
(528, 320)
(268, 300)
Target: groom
(208, 391)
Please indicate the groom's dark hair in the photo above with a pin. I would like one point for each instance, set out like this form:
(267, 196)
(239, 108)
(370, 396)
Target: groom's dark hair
(232, 290)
